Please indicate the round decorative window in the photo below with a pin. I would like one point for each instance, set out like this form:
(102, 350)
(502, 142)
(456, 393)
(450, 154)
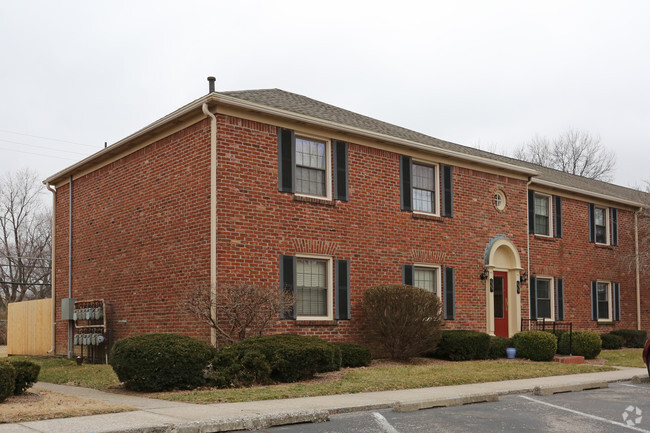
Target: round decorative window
(499, 200)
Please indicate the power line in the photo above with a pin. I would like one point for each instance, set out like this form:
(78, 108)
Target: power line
(38, 154)
(43, 147)
(47, 138)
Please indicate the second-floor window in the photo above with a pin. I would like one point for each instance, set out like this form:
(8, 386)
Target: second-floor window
(311, 167)
(600, 224)
(542, 214)
(424, 188)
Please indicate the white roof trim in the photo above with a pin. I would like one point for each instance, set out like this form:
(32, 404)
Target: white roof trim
(549, 184)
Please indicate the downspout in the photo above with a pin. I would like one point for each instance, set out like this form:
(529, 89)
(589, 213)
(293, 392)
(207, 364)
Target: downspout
(530, 180)
(638, 278)
(70, 324)
(53, 267)
(213, 214)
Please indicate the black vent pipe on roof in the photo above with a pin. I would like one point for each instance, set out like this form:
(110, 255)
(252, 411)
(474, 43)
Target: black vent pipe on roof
(211, 80)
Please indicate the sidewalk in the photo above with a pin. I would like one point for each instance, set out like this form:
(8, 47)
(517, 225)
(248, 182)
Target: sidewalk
(176, 417)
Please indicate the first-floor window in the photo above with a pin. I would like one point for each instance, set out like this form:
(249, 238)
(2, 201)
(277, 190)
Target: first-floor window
(312, 287)
(427, 278)
(544, 298)
(603, 296)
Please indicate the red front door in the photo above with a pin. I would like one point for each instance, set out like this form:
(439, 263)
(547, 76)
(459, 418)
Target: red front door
(501, 304)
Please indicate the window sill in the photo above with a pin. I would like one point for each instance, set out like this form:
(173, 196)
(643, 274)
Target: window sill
(545, 238)
(314, 200)
(303, 322)
(424, 216)
(605, 323)
(605, 246)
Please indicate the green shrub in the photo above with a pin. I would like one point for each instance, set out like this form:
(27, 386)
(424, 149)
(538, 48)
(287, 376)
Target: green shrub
(26, 375)
(583, 343)
(498, 347)
(535, 345)
(632, 337)
(161, 362)
(292, 357)
(461, 345)
(612, 341)
(236, 368)
(7, 380)
(354, 355)
(401, 321)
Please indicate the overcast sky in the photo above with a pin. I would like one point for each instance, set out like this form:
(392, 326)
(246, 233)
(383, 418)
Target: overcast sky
(488, 74)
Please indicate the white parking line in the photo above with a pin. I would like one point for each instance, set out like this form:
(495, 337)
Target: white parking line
(634, 386)
(586, 415)
(383, 423)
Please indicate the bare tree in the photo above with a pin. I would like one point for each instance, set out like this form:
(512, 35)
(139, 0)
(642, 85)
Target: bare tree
(575, 152)
(25, 239)
(239, 311)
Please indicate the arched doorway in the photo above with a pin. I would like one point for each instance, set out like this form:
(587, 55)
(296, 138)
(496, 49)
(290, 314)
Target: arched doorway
(502, 287)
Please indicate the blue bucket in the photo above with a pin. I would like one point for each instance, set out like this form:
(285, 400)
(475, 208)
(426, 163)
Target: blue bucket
(511, 352)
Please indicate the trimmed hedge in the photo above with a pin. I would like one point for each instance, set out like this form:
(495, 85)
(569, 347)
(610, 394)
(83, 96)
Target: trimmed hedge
(632, 337)
(535, 345)
(584, 343)
(462, 345)
(498, 346)
(612, 341)
(290, 358)
(161, 362)
(7, 380)
(26, 375)
(354, 355)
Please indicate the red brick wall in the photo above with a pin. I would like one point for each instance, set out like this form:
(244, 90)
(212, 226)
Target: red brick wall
(579, 262)
(141, 236)
(142, 233)
(256, 224)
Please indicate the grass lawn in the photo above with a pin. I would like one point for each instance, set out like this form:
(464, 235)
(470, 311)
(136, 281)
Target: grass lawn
(623, 357)
(385, 378)
(380, 377)
(67, 372)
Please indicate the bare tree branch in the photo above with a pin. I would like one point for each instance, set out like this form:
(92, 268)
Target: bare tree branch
(575, 152)
(241, 310)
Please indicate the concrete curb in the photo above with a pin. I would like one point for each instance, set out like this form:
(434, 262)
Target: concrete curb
(250, 422)
(581, 386)
(413, 406)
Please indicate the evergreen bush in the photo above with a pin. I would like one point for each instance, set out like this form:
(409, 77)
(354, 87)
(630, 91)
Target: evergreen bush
(26, 375)
(612, 341)
(354, 355)
(535, 345)
(161, 362)
(498, 346)
(583, 343)
(632, 337)
(7, 380)
(462, 345)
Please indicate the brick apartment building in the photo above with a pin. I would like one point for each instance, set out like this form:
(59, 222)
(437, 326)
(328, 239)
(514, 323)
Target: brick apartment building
(276, 189)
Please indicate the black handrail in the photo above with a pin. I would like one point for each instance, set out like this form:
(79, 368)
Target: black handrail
(553, 326)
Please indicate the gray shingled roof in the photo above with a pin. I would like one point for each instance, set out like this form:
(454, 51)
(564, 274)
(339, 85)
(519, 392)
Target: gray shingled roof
(303, 105)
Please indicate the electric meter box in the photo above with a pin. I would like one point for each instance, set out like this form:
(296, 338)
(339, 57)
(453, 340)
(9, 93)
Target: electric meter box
(67, 308)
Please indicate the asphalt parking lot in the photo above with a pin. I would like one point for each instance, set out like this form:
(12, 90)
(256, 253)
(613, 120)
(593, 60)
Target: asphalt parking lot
(622, 407)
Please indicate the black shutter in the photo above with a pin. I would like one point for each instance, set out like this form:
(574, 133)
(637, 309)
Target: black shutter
(592, 224)
(532, 293)
(342, 290)
(450, 294)
(405, 165)
(446, 180)
(341, 170)
(288, 281)
(557, 211)
(407, 275)
(286, 159)
(617, 301)
(531, 211)
(614, 217)
(559, 299)
(594, 301)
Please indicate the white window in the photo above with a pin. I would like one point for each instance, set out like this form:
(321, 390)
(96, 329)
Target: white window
(604, 300)
(544, 292)
(313, 162)
(601, 225)
(313, 287)
(425, 188)
(543, 214)
(427, 277)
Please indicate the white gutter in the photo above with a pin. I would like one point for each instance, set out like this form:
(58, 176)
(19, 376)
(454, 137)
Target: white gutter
(549, 184)
(53, 268)
(213, 219)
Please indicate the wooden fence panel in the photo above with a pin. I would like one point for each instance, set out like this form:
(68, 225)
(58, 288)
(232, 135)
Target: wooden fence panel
(29, 327)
